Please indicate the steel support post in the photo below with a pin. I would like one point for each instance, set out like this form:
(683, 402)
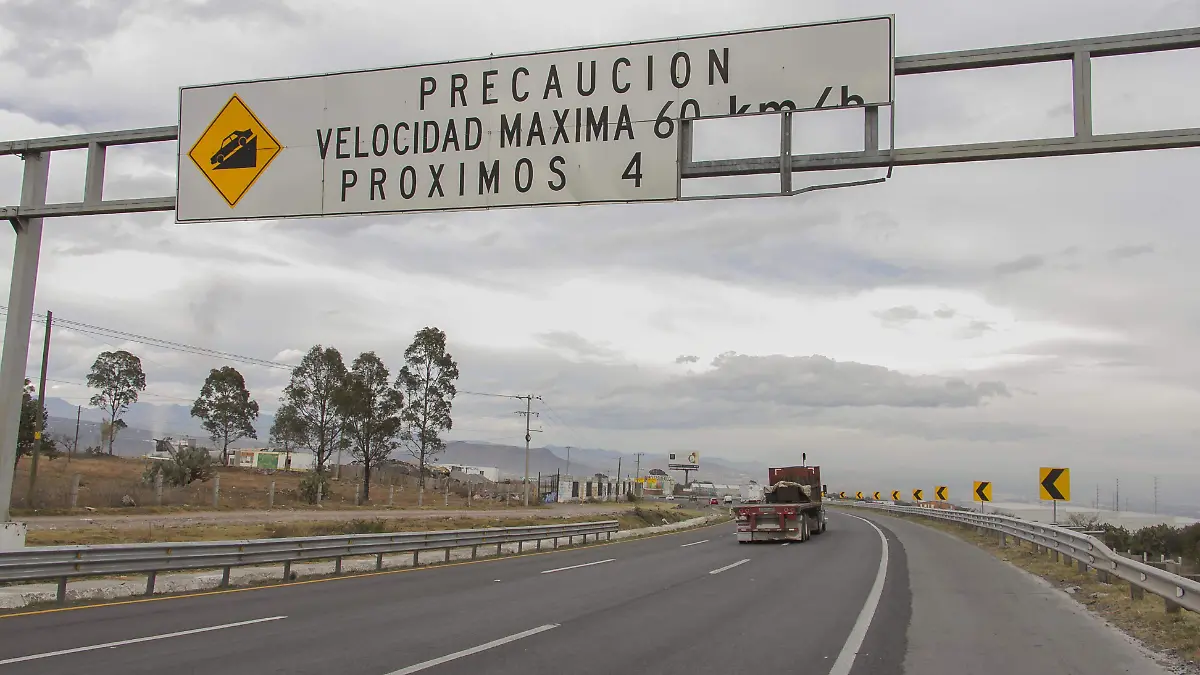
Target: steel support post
(16, 331)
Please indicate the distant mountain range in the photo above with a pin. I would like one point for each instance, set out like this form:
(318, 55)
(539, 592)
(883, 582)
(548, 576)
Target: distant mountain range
(148, 421)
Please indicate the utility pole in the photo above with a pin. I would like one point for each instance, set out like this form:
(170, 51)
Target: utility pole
(618, 476)
(39, 415)
(1156, 494)
(637, 471)
(529, 414)
(1117, 497)
(78, 412)
(568, 460)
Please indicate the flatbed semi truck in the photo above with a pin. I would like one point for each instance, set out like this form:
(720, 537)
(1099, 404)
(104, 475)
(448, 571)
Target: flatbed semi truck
(791, 509)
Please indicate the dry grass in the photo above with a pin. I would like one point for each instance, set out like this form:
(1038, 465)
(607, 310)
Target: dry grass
(105, 481)
(1144, 619)
(634, 518)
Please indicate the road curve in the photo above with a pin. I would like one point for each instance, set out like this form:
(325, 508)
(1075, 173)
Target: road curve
(655, 605)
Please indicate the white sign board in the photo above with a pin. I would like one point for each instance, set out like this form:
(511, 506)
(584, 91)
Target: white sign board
(574, 126)
(680, 462)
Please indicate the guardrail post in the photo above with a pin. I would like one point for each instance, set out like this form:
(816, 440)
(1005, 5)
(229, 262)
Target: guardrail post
(1172, 607)
(379, 561)
(1082, 567)
(150, 580)
(539, 544)
(474, 551)
(287, 570)
(75, 490)
(520, 546)
(61, 595)
(447, 556)
(271, 496)
(216, 490)
(158, 488)
(499, 548)
(1101, 576)
(1136, 592)
(1054, 555)
(1003, 540)
(225, 576)
(337, 565)
(609, 537)
(556, 542)
(415, 560)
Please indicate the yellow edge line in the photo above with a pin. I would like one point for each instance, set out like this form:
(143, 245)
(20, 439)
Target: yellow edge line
(433, 566)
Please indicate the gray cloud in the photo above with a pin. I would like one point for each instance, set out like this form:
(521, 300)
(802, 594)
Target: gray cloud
(687, 359)
(575, 344)
(944, 313)
(1023, 264)
(898, 316)
(1125, 252)
(976, 328)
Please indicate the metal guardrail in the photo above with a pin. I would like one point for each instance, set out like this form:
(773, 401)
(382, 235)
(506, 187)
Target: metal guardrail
(1088, 551)
(65, 562)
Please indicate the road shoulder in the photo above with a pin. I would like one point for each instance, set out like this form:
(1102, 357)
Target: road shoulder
(974, 613)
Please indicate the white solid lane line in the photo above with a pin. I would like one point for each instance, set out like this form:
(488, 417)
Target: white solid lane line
(121, 643)
(693, 543)
(845, 660)
(572, 567)
(786, 543)
(729, 567)
(473, 650)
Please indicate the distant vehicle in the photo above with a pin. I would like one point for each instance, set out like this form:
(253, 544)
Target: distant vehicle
(728, 499)
(669, 497)
(791, 508)
(713, 501)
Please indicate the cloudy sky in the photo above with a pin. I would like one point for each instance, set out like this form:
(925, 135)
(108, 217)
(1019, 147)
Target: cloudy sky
(955, 323)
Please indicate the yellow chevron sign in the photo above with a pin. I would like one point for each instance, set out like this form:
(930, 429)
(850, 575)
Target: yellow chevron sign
(982, 491)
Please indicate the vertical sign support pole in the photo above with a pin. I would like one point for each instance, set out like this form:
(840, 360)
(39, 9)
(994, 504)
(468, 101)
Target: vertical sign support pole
(1055, 502)
(785, 153)
(1081, 85)
(16, 331)
(871, 129)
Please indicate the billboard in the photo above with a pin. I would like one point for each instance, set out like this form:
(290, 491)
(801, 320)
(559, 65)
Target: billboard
(681, 461)
(571, 126)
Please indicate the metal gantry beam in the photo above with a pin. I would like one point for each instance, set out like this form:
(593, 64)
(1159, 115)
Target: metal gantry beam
(1078, 52)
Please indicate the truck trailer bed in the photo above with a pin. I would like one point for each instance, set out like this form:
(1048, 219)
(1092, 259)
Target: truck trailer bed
(779, 522)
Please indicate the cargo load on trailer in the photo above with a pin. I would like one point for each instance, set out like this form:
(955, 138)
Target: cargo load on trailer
(752, 493)
(791, 508)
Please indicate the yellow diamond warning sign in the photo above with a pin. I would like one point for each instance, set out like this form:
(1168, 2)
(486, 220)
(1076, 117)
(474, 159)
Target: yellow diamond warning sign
(234, 150)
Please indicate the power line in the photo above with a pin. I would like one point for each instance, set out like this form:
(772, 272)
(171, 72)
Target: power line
(101, 331)
(171, 345)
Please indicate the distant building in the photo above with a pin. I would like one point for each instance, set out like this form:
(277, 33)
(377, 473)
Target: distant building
(272, 459)
(573, 489)
(489, 472)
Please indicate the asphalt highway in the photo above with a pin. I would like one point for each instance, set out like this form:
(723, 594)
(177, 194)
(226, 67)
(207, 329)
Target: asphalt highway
(867, 597)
